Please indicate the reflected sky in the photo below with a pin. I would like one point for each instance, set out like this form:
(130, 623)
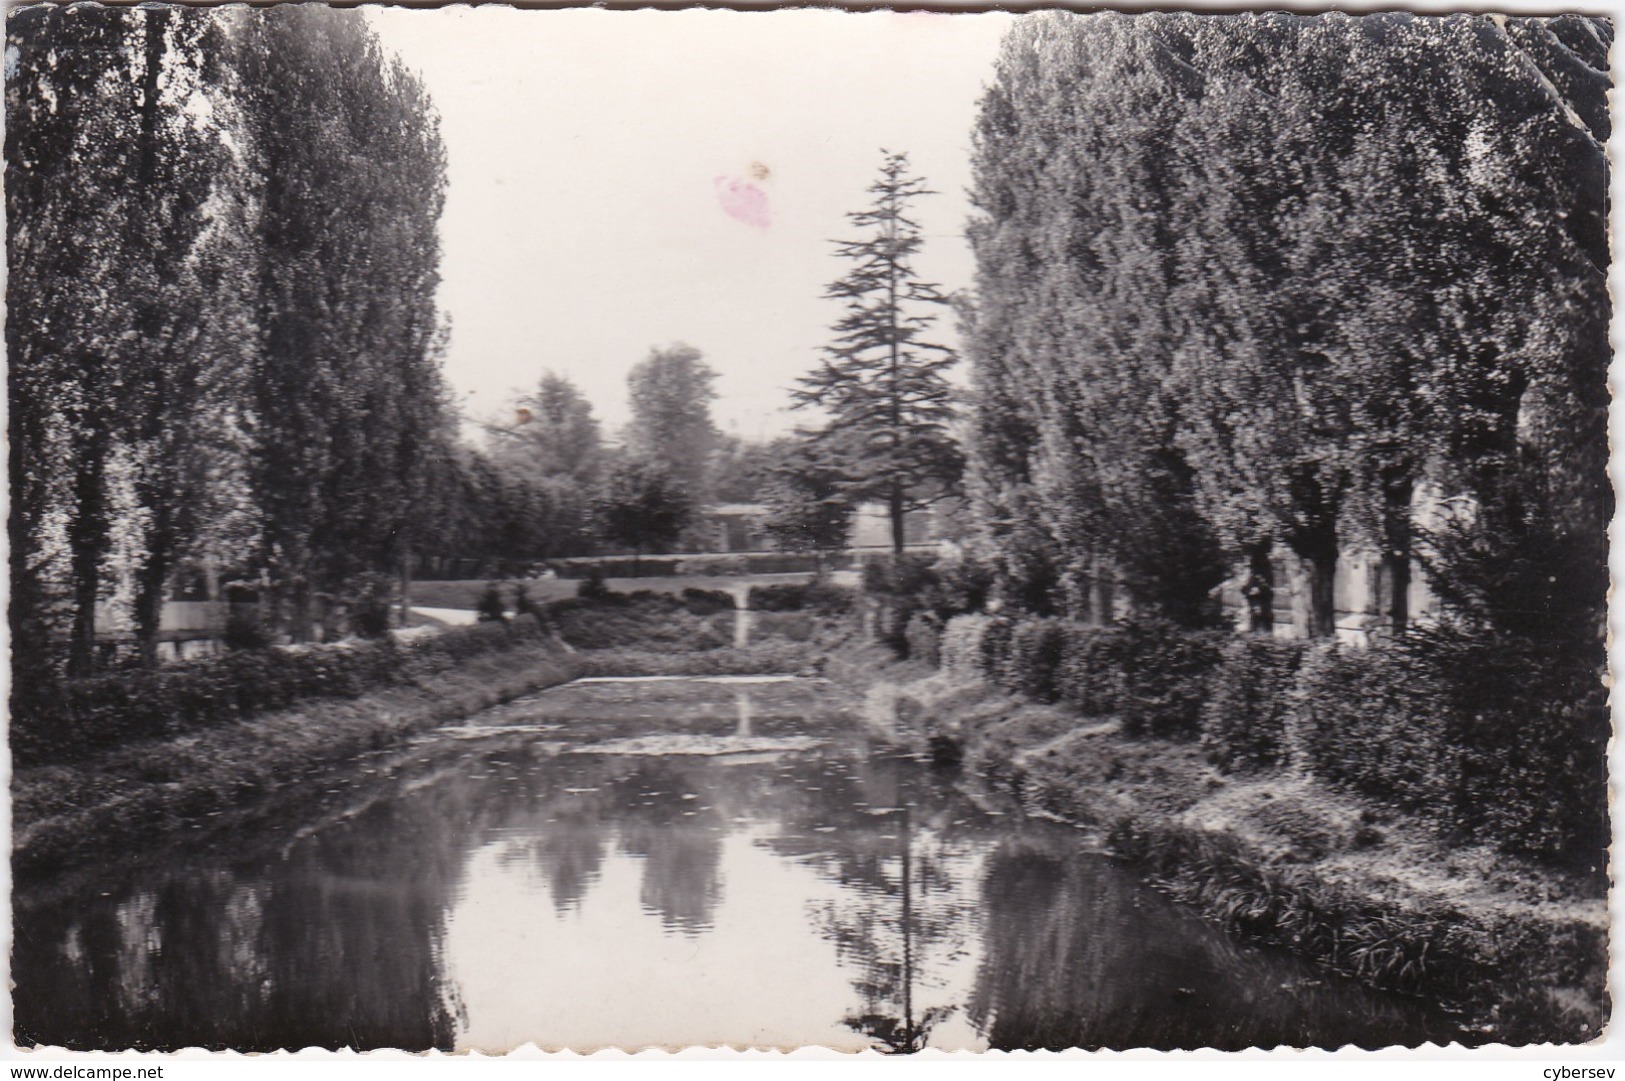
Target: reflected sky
(595, 866)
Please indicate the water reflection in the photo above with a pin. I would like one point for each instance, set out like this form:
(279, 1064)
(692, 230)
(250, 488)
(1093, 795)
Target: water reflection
(481, 892)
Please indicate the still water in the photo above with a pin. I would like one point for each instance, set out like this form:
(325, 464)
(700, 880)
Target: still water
(653, 862)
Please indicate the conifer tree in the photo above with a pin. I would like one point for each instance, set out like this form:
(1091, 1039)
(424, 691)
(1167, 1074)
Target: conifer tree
(882, 383)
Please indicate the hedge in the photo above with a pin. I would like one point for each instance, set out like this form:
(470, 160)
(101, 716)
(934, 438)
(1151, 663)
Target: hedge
(82, 716)
(1499, 741)
(645, 620)
(1244, 721)
(960, 652)
(923, 637)
(1090, 679)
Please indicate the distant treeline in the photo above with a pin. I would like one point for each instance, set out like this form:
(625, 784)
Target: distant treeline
(1314, 284)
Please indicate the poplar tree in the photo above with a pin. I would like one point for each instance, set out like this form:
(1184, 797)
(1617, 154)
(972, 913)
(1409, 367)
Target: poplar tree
(882, 383)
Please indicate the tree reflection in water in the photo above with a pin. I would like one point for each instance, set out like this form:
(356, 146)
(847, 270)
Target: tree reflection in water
(901, 917)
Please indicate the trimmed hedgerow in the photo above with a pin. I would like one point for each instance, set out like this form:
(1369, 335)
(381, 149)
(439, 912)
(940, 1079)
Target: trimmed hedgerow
(923, 637)
(961, 648)
(1090, 676)
(642, 620)
(1245, 717)
(1501, 741)
(1166, 672)
(1033, 662)
(87, 715)
(1379, 720)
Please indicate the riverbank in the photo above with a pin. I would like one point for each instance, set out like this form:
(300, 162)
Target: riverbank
(65, 813)
(1520, 949)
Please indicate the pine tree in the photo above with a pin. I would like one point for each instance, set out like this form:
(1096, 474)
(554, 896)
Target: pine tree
(883, 385)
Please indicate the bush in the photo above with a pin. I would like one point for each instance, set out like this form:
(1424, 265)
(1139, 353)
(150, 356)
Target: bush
(923, 638)
(369, 598)
(1245, 717)
(1378, 720)
(706, 602)
(827, 598)
(244, 630)
(783, 597)
(643, 620)
(1089, 679)
(1165, 672)
(490, 606)
(592, 587)
(1496, 740)
(1033, 660)
(87, 715)
(961, 648)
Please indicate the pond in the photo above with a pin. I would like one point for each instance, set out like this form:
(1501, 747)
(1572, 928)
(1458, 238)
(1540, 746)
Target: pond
(654, 862)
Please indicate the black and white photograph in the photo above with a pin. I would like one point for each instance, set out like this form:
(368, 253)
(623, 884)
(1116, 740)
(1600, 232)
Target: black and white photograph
(890, 531)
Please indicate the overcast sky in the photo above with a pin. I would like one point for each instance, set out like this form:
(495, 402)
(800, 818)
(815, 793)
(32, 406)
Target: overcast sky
(601, 167)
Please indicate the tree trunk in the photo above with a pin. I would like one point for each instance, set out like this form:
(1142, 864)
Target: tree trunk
(87, 542)
(1322, 592)
(1259, 593)
(150, 581)
(895, 509)
(1397, 489)
(406, 585)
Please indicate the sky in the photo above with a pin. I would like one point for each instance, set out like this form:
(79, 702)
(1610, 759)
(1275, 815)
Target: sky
(618, 181)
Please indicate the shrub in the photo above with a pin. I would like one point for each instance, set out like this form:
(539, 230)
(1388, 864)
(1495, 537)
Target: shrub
(592, 587)
(1494, 740)
(923, 638)
(1165, 671)
(645, 620)
(490, 606)
(782, 597)
(369, 597)
(705, 602)
(1378, 720)
(1244, 719)
(1033, 660)
(244, 630)
(961, 648)
(83, 716)
(996, 646)
(824, 596)
(1089, 679)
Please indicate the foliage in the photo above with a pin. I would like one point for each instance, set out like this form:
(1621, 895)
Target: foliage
(1244, 720)
(1272, 279)
(922, 638)
(643, 506)
(554, 434)
(491, 608)
(656, 622)
(117, 708)
(1090, 677)
(1496, 740)
(592, 587)
(369, 598)
(805, 492)
(882, 384)
(671, 394)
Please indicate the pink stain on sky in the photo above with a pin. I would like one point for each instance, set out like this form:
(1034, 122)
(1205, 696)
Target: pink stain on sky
(744, 201)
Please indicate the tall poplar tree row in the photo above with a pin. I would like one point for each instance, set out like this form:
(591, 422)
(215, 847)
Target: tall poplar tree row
(344, 386)
(1265, 280)
(222, 255)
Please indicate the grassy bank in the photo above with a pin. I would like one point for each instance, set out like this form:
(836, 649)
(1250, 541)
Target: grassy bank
(1520, 947)
(64, 813)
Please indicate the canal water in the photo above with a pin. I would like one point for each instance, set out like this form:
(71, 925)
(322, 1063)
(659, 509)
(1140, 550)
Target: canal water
(653, 863)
